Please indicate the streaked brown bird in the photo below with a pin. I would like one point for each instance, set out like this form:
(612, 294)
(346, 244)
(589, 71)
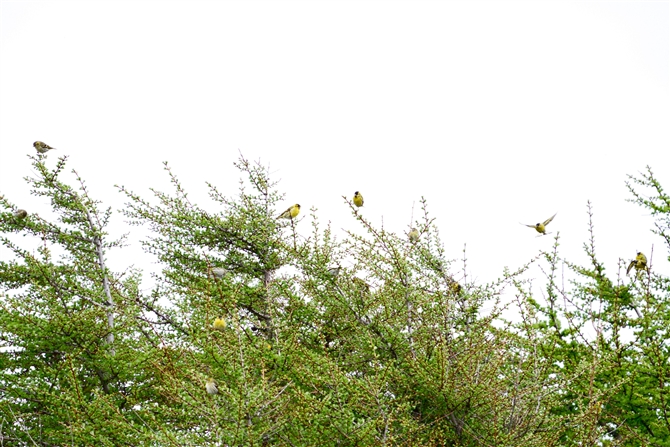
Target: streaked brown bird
(210, 386)
(360, 284)
(41, 147)
(21, 214)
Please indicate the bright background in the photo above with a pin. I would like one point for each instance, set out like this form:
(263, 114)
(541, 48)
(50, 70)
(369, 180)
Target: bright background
(497, 112)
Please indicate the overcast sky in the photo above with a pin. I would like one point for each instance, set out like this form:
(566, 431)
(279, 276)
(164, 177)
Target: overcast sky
(497, 112)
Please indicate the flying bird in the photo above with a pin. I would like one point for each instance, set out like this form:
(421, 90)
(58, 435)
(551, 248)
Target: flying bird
(358, 199)
(640, 263)
(540, 227)
(290, 213)
(41, 147)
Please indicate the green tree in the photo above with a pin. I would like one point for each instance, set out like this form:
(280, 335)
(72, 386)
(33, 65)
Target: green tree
(68, 370)
(371, 339)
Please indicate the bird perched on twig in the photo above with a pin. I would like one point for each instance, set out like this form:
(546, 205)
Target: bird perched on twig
(291, 213)
(454, 286)
(360, 284)
(219, 324)
(21, 214)
(640, 263)
(210, 386)
(334, 271)
(219, 272)
(414, 236)
(540, 227)
(358, 199)
(41, 147)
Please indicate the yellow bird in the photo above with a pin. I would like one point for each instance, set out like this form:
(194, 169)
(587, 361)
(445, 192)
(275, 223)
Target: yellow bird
(21, 214)
(41, 147)
(414, 236)
(219, 324)
(358, 199)
(454, 287)
(290, 213)
(210, 386)
(640, 263)
(540, 227)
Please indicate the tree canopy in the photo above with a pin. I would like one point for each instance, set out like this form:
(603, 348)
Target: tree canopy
(255, 335)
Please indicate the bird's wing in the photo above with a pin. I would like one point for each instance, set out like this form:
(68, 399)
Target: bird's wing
(531, 226)
(546, 222)
(630, 266)
(287, 212)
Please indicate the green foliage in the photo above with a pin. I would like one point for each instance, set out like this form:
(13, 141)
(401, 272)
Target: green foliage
(395, 348)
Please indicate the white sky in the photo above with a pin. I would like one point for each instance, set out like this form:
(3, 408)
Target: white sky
(497, 112)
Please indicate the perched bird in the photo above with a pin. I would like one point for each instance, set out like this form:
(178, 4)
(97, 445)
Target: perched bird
(640, 263)
(210, 386)
(219, 324)
(414, 236)
(334, 271)
(360, 284)
(358, 199)
(540, 227)
(21, 214)
(290, 213)
(361, 291)
(454, 287)
(219, 272)
(41, 147)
